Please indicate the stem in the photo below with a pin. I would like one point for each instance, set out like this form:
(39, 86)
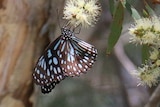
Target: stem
(154, 99)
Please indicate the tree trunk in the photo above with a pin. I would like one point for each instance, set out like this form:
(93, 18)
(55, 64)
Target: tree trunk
(20, 23)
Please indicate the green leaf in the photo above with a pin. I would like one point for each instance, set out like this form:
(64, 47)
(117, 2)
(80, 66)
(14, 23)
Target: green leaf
(150, 10)
(133, 12)
(145, 13)
(112, 6)
(116, 27)
(145, 53)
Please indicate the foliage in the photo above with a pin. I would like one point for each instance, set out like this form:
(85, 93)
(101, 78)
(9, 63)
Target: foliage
(145, 31)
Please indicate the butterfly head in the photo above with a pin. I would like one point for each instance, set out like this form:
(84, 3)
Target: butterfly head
(66, 32)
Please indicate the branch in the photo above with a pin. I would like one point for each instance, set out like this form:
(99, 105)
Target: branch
(122, 57)
(135, 94)
(154, 99)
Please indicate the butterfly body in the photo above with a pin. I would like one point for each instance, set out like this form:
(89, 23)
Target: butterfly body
(66, 56)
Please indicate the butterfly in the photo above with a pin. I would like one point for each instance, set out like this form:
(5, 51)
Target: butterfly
(67, 56)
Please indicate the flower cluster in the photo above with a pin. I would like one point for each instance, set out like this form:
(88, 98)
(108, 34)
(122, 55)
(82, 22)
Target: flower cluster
(84, 12)
(149, 73)
(147, 31)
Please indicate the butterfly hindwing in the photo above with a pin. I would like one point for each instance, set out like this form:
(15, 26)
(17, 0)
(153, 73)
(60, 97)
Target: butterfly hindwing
(79, 57)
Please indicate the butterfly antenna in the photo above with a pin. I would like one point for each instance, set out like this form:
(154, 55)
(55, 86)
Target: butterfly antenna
(67, 24)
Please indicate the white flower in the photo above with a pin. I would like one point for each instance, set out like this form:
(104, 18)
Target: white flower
(148, 76)
(149, 38)
(83, 12)
(146, 31)
(154, 54)
(158, 63)
(156, 22)
(144, 23)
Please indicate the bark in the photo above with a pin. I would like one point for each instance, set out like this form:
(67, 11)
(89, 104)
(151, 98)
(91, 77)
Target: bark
(20, 23)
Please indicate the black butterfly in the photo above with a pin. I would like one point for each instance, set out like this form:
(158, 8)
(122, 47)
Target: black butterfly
(66, 56)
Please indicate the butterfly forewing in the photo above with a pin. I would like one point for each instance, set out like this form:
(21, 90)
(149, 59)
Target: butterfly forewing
(48, 71)
(48, 87)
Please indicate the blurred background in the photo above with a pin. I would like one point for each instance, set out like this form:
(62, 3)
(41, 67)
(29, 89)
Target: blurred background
(28, 26)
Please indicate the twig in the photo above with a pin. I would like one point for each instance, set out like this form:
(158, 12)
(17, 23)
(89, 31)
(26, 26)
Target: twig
(154, 99)
(124, 60)
(135, 100)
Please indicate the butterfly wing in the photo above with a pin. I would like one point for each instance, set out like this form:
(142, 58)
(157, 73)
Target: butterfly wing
(66, 56)
(48, 87)
(79, 57)
(48, 72)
